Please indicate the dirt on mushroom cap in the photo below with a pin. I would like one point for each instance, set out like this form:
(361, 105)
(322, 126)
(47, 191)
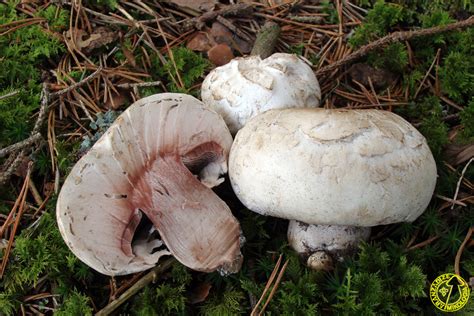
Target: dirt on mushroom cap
(139, 166)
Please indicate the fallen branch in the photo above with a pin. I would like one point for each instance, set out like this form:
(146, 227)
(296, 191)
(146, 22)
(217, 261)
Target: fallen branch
(138, 84)
(230, 10)
(144, 281)
(392, 38)
(20, 145)
(266, 40)
(42, 114)
(78, 84)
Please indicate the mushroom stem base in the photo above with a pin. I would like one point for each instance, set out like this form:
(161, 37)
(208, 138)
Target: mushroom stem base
(332, 240)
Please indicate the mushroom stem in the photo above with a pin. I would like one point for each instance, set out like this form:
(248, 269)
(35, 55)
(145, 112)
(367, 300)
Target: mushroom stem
(320, 244)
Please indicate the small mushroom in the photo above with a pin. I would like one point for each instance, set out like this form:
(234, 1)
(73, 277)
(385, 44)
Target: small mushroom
(151, 173)
(248, 86)
(342, 171)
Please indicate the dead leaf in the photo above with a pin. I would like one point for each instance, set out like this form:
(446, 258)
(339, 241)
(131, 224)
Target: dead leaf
(199, 293)
(458, 154)
(22, 169)
(117, 100)
(201, 42)
(380, 78)
(48, 188)
(222, 35)
(198, 5)
(220, 54)
(129, 56)
(88, 42)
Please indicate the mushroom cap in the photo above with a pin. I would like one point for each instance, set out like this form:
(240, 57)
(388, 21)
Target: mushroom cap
(141, 167)
(333, 167)
(248, 86)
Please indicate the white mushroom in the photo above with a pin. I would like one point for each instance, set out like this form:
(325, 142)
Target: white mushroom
(248, 86)
(332, 167)
(141, 169)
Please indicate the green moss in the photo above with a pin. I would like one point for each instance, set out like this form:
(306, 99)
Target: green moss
(378, 23)
(76, 304)
(22, 54)
(394, 57)
(467, 121)
(378, 282)
(190, 66)
(457, 76)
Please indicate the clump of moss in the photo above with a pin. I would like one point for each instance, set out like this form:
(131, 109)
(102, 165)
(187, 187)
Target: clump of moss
(23, 52)
(378, 22)
(467, 121)
(41, 252)
(184, 67)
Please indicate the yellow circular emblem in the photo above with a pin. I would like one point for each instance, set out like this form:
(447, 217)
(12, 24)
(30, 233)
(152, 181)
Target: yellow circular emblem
(449, 292)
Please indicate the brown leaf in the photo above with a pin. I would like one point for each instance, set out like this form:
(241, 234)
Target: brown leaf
(222, 35)
(220, 54)
(201, 42)
(117, 100)
(88, 42)
(22, 169)
(458, 154)
(129, 56)
(380, 78)
(199, 293)
(48, 188)
(198, 5)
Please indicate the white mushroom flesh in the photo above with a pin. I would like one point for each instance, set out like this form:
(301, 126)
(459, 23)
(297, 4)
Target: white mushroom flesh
(248, 86)
(333, 167)
(141, 166)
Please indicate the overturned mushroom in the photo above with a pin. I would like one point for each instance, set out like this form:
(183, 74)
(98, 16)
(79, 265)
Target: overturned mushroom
(248, 86)
(342, 171)
(139, 178)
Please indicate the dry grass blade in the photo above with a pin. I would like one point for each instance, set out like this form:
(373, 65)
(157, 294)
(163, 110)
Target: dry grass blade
(459, 182)
(457, 260)
(20, 204)
(270, 284)
(267, 286)
(8, 95)
(275, 287)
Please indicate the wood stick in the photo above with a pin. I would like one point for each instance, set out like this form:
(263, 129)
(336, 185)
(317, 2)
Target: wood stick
(392, 38)
(266, 40)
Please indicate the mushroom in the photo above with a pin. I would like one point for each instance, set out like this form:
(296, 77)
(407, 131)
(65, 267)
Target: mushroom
(137, 181)
(341, 171)
(248, 86)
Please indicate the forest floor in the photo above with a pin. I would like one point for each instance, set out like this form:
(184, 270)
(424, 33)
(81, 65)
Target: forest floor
(69, 68)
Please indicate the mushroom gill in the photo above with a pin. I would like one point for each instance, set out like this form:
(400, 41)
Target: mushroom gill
(142, 168)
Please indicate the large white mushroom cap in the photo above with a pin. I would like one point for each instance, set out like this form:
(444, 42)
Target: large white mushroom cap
(248, 86)
(333, 167)
(142, 167)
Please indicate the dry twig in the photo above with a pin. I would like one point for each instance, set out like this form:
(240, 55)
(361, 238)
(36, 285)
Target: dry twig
(392, 38)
